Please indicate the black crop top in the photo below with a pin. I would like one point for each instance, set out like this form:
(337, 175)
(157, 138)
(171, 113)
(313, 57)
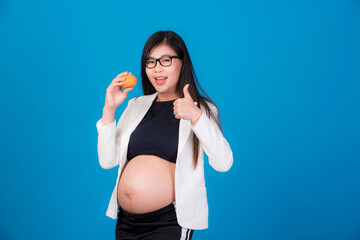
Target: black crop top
(157, 133)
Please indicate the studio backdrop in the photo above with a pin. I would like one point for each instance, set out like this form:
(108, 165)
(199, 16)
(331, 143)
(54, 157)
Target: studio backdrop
(284, 74)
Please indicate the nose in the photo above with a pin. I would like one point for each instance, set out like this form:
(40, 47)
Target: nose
(158, 67)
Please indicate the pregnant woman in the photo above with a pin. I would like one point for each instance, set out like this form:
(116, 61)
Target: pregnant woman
(159, 143)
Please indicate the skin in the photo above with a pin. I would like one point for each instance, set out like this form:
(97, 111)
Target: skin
(184, 108)
(167, 91)
(147, 182)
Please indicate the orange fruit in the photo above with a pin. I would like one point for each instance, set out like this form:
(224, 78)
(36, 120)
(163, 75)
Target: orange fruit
(130, 81)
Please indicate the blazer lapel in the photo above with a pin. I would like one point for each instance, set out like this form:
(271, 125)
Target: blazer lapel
(140, 110)
(184, 131)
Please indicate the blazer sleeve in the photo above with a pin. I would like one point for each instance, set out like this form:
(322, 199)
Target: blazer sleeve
(108, 139)
(214, 144)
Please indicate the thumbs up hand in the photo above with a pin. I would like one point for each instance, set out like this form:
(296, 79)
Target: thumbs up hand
(185, 108)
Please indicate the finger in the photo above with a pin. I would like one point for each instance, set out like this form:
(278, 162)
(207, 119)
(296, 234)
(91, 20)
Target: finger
(122, 74)
(118, 83)
(119, 79)
(126, 90)
(176, 109)
(186, 91)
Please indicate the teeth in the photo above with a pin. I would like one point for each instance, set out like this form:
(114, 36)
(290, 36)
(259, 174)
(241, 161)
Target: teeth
(162, 78)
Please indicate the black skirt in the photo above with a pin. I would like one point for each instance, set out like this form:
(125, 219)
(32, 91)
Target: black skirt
(157, 225)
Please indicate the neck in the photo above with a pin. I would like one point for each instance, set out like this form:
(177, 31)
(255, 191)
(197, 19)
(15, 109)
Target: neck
(164, 98)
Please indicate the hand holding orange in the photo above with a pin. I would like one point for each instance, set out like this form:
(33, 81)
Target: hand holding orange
(130, 81)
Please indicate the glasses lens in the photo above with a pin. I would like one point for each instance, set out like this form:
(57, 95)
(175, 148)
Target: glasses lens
(150, 63)
(165, 61)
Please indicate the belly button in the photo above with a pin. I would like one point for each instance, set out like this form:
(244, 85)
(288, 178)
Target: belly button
(128, 193)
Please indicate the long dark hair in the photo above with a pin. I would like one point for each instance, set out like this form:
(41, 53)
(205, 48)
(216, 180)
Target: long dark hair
(187, 76)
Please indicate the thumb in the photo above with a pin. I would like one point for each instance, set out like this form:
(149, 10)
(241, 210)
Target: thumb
(127, 90)
(186, 92)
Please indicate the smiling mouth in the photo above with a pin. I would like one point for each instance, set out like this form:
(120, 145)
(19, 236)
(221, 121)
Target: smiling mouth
(161, 80)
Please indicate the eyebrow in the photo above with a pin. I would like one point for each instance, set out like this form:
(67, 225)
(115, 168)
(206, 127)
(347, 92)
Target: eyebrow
(159, 57)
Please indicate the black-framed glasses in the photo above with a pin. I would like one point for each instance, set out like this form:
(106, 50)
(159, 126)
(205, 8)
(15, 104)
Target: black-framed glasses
(164, 61)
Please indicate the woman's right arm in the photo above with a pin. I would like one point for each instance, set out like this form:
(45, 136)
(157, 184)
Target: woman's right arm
(106, 126)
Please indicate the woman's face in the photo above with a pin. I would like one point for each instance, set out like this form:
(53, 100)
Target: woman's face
(166, 88)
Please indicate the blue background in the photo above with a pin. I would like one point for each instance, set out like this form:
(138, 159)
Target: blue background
(285, 76)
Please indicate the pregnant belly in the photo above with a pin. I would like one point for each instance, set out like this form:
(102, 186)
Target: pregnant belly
(146, 184)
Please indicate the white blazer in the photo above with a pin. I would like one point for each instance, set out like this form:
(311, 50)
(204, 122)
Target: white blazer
(190, 192)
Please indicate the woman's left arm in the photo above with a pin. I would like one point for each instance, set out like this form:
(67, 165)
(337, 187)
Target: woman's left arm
(207, 131)
(213, 141)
